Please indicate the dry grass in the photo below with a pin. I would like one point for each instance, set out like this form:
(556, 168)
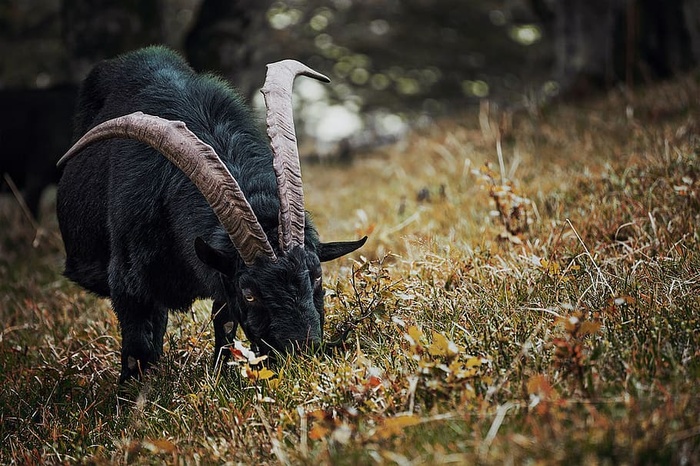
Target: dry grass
(573, 337)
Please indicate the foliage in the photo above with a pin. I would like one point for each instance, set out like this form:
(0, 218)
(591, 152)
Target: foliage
(573, 338)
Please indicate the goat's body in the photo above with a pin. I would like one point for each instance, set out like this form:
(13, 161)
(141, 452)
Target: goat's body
(152, 200)
(141, 232)
(129, 217)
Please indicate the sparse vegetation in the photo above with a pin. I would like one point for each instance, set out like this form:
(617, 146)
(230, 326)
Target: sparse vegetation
(551, 317)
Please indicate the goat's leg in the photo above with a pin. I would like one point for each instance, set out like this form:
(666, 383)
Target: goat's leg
(159, 319)
(225, 326)
(138, 335)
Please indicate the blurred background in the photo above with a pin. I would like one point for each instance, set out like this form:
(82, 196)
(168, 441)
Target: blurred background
(395, 64)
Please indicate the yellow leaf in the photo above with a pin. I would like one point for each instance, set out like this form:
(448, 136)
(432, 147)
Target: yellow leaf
(273, 384)
(473, 362)
(394, 425)
(415, 335)
(439, 346)
(555, 268)
(254, 375)
(458, 370)
(552, 268)
(424, 364)
(442, 346)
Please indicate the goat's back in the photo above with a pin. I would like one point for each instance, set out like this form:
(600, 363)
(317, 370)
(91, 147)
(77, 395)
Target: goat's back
(128, 216)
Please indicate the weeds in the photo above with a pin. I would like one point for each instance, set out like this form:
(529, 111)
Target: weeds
(575, 340)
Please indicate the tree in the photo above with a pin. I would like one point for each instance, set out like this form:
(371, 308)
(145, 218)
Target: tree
(96, 29)
(598, 43)
(226, 38)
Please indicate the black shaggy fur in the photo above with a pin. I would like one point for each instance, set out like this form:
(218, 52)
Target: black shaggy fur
(138, 231)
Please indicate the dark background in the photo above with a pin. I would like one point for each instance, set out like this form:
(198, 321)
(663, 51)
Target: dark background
(393, 53)
(394, 63)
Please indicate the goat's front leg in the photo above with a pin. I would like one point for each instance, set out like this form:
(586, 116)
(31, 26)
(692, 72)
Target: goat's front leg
(142, 328)
(159, 320)
(225, 326)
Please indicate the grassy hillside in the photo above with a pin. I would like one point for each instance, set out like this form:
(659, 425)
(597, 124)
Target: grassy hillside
(541, 307)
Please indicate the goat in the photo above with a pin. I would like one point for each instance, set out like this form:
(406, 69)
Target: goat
(220, 216)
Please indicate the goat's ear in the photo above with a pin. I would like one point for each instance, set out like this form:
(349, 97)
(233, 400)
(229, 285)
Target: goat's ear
(330, 251)
(212, 256)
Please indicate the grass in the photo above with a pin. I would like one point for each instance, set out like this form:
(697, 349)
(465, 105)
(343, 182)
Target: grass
(549, 317)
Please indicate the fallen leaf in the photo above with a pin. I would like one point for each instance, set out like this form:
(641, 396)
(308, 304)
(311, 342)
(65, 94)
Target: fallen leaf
(160, 446)
(589, 328)
(395, 425)
(441, 346)
(318, 432)
(414, 335)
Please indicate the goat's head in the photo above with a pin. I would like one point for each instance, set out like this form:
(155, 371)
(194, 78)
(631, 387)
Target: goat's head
(277, 297)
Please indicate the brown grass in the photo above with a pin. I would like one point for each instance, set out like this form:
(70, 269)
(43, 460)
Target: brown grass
(573, 337)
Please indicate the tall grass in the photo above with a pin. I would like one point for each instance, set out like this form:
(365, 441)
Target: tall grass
(544, 307)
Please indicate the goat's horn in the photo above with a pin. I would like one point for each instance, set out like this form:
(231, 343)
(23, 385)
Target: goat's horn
(201, 164)
(280, 128)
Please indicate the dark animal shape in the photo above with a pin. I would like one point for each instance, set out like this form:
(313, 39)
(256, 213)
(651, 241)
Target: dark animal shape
(35, 129)
(217, 214)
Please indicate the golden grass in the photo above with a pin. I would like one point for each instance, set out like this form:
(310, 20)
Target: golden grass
(574, 337)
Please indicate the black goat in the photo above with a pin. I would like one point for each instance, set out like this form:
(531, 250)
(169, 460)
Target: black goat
(35, 129)
(221, 216)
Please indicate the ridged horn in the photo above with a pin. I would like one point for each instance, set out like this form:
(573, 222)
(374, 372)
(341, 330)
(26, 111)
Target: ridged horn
(200, 163)
(277, 92)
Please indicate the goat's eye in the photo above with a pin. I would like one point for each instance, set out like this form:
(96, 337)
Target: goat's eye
(317, 281)
(248, 295)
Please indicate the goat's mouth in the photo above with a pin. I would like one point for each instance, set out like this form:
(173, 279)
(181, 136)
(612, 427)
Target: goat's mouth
(278, 352)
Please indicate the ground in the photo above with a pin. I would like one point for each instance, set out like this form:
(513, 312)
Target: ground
(529, 293)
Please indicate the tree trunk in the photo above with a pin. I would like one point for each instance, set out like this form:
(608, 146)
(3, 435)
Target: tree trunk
(599, 43)
(96, 29)
(226, 39)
